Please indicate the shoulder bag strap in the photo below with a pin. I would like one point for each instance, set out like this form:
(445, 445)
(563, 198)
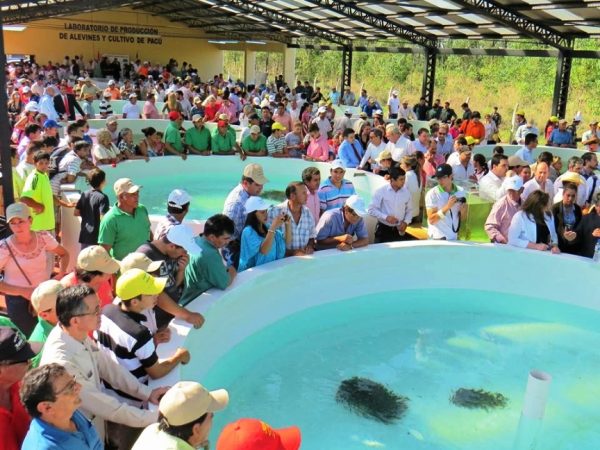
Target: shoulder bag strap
(17, 262)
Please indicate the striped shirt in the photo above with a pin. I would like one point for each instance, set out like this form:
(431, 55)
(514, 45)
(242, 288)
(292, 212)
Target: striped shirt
(275, 144)
(331, 197)
(105, 108)
(69, 165)
(302, 231)
(124, 338)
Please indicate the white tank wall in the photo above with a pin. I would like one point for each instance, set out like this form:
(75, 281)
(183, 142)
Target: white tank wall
(264, 295)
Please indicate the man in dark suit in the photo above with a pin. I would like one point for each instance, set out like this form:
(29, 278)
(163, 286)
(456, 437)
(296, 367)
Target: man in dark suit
(66, 104)
(567, 215)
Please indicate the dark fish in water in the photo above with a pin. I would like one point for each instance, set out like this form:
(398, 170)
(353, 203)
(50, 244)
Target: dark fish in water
(278, 196)
(478, 398)
(371, 400)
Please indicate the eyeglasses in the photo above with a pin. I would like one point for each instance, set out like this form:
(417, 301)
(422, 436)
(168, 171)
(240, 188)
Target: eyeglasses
(95, 312)
(69, 388)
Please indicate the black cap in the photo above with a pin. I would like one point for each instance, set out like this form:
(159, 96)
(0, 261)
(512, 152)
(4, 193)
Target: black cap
(443, 170)
(14, 348)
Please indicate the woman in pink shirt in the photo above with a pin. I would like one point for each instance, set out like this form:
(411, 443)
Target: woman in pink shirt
(24, 258)
(318, 148)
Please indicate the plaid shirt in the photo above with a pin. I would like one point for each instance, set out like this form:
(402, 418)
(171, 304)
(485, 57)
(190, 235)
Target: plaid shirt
(301, 231)
(234, 209)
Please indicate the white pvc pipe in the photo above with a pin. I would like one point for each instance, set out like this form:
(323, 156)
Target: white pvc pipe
(536, 394)
(534, 407)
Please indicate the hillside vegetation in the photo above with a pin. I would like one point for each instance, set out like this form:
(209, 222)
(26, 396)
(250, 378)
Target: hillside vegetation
(486, 81)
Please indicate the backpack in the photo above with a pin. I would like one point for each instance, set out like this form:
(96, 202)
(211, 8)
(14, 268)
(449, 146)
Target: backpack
(55, 158)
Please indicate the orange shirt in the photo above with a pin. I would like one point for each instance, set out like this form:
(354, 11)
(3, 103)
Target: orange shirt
(474, 129)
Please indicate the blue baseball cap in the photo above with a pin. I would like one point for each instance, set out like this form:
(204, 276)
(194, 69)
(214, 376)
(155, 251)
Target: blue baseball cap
(51, 124)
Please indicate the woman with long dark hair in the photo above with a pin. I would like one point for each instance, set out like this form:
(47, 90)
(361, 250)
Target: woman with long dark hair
(533, 227)
(263, 242)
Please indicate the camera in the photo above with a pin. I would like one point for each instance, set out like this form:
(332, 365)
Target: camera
(461, 200)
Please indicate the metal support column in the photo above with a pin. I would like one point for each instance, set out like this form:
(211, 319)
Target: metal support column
(429, 75)
(561, 83)
(7, 183)
(346, 67)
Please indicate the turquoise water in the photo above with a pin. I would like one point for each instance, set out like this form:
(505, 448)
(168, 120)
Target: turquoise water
(424, 345)
(209, 188)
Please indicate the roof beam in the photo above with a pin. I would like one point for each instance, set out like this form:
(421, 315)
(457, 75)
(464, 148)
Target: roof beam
(523, 24)
(354, 12)
(246, 36)
(281, 19)
(17, 13)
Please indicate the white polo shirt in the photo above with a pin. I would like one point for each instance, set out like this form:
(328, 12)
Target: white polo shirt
(132, 111)
(448, 226)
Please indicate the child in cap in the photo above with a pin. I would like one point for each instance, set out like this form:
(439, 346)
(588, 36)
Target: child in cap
(43, 300)
(124, 337)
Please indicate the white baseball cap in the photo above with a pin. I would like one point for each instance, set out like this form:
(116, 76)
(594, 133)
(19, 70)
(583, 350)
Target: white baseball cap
(337, 164)
(178, 198)
(515, 183)
(183, 236)
(256, 203)
(322, 109)
(357, 205)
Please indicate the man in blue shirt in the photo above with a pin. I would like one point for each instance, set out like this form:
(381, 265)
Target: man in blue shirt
(51, 396)
(561, 137)
(351, 150)
(337, 227)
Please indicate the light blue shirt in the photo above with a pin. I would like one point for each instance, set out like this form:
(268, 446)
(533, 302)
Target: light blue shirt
(558, 137)
(43, 436)
(332, 224)
(525, 154)
(250, 255)
(348, 155)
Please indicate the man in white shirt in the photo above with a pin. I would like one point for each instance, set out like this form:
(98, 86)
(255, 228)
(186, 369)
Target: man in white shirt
(421, 143)
(131, 110)
(393, 105)
(539, 182)
(526, 152)
(375, 147)
(391, 206)
(490, 184)
(405, 111)
(463, 170)
(524, 130)
(323, 122)
(446, 206)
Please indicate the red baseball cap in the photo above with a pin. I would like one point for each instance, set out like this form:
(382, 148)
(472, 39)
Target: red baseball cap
(254, 434)
(174, 115)
(222, 123)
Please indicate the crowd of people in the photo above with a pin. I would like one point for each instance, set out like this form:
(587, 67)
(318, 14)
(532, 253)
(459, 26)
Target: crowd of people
(81, 377)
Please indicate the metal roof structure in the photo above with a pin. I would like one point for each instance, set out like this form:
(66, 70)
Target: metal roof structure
(427, 26)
